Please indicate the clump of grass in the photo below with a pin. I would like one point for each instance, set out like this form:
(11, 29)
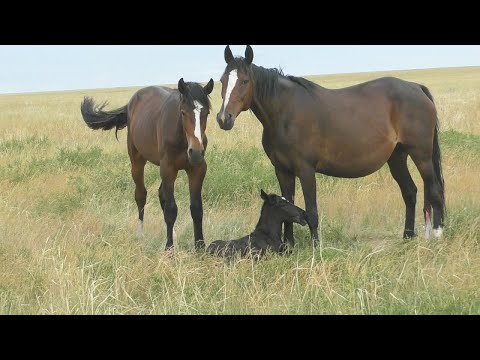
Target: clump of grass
(17, 146)
(235, 174)
(78, 157)
(454, 141)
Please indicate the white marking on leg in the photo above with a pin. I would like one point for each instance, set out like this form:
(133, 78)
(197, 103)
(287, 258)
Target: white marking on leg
(232, 80)
(428, 226)
(140, 229)
(174, 235)
(197, 110)
(438, 232)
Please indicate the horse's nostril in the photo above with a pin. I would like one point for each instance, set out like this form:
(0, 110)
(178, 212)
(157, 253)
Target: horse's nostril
(203, 152)
(190, 151)
(229, 116)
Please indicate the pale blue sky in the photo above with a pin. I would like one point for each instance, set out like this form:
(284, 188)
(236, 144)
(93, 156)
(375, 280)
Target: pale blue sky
(60, 67)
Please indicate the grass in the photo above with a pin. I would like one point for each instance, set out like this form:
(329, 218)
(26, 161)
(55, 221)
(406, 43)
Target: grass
(68, 216)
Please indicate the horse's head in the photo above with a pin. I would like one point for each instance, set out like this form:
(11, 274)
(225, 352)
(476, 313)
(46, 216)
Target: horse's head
(284, 209)
(237, 87)
(194, 108)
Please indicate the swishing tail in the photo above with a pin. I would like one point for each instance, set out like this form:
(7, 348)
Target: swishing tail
(96, 118)
(437, 156)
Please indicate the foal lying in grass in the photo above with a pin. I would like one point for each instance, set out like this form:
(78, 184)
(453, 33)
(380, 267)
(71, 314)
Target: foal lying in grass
(268, 232)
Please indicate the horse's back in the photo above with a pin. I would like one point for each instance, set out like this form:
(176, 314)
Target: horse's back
(149, 96)
(352, 131)
(144, 113)
(382, 103)
(412, 110)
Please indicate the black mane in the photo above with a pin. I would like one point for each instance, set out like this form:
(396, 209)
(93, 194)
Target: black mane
(266, 80)
(307, 84)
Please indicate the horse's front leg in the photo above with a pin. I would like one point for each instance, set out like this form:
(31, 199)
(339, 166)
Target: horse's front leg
(168, 175)
(196, 175)
(286, 181)
(309, 187)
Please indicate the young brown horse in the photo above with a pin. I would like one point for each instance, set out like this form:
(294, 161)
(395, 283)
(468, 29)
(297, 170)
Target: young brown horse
(349, 133)
(167, 128)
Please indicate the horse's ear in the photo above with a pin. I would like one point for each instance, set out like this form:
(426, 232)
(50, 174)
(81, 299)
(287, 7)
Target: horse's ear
(249, 54)
(228, 55)
(263, 195)
(182, 87)
(209, 87)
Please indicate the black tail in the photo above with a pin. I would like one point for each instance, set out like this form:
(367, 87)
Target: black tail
(96, 118)
(437, 156)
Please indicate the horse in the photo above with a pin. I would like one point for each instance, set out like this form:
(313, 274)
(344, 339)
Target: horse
(347, 133)
(268, 232)
(166, 127)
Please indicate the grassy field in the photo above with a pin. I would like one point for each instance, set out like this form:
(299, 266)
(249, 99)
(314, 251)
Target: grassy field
(68, 219)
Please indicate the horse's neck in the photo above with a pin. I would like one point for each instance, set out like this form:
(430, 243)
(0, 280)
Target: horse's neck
(260, 112)
(268, 224)
(267, 111)
(177, 119)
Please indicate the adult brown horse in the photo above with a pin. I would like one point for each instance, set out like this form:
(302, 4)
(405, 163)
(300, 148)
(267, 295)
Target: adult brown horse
(167, 128)
(349, 133)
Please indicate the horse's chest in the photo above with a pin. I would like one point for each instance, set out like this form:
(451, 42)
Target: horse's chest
(278, 152)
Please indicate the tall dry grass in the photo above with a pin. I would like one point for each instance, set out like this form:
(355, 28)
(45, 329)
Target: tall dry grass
(67, 220)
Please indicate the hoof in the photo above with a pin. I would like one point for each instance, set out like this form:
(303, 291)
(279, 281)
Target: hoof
(285, 249)
(139, 233)
(438, 233)
(200, 245)
(409, 234)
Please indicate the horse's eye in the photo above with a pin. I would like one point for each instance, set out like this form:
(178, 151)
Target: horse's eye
(183, 112)
(245, 82)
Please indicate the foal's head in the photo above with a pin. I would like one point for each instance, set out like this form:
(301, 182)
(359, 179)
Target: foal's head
(283, 209)
(237, 87)
(194, 108)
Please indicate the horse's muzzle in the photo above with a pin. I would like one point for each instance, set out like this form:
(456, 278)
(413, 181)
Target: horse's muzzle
(195, 157)
(302, 220)
(225, 120)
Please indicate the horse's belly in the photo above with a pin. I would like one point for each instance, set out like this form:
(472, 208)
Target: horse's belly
(144, 140)
(342, 172)
(354, 165)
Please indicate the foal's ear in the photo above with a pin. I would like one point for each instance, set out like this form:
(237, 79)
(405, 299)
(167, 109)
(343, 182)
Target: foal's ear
(228, 55)
(182, 87)
(263, 195)
(209, 87)
(249, 54)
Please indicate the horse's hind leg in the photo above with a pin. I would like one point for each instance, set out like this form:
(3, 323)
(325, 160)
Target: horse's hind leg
(422, 156)
(433, 197)
(399, 169)
(138, 166)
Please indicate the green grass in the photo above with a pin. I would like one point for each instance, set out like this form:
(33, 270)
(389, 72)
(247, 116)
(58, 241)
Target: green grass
(454, 141)
(20, 145)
